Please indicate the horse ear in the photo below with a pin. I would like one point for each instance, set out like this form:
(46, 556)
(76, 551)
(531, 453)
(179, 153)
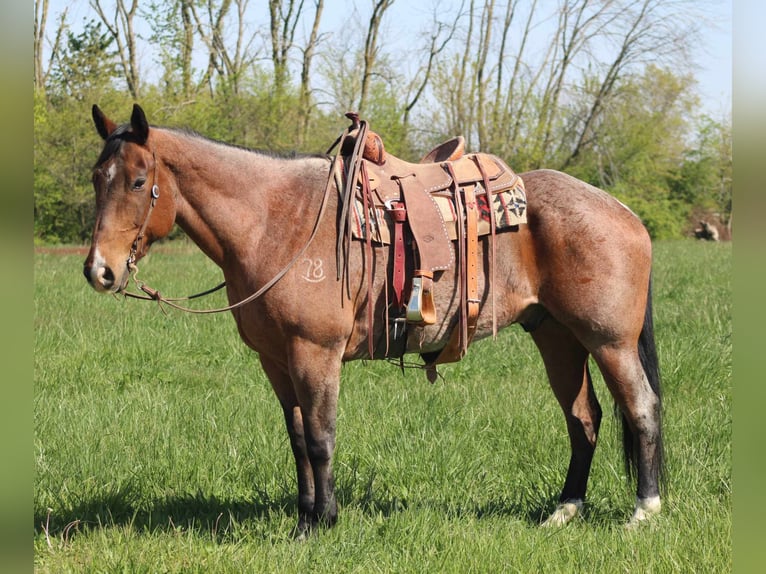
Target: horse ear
(139, 124)
(104, 125)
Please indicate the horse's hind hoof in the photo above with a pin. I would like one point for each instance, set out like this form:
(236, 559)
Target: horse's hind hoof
(645, 509)
(564, 513)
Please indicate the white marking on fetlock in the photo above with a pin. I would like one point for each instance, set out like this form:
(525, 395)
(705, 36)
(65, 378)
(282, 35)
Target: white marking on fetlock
(645, 509)
(564, 512)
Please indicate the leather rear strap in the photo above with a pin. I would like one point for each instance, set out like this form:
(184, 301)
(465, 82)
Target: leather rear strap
(468, 313)
(492, 228)
(471, 268)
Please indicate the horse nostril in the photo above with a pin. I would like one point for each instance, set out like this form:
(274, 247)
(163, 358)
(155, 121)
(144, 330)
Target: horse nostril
(86, 272)
(107, 277)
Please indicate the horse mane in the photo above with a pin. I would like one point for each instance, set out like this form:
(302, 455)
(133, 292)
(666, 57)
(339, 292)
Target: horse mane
(123, 133)
(288, 155)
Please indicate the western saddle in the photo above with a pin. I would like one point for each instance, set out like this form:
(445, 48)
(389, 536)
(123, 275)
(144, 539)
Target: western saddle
(439, 206)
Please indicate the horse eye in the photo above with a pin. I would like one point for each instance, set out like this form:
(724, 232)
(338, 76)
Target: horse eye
(139, 183)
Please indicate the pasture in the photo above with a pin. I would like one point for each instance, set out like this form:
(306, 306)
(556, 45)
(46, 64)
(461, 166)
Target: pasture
(160, 447)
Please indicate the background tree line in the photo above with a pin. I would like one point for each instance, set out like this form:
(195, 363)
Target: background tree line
(597, 88)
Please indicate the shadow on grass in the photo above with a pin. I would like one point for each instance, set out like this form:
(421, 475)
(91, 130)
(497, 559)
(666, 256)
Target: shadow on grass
(204, 514)
(535, 514)
(219, 518)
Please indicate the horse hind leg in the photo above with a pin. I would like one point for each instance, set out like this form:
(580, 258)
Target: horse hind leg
(566, 363)
(633, 379)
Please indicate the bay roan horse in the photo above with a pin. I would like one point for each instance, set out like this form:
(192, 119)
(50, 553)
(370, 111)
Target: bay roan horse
(577, 276)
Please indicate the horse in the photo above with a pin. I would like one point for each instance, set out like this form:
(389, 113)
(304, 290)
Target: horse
(577, 277)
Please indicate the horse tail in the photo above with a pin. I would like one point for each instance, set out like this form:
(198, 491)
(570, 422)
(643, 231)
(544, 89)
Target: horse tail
(647, 353)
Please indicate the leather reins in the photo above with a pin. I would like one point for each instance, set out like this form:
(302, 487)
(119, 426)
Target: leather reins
(155, 295)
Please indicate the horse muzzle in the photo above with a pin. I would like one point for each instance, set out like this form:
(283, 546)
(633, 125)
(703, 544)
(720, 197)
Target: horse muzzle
(102, 277)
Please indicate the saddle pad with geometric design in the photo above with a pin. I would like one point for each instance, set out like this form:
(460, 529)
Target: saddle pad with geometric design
(510, 206)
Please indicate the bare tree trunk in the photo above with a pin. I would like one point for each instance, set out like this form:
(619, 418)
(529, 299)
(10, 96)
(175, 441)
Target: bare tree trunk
(516, 105)
(371, 48)
(637, 29)
(573, 34)
(211, 35)
(122, 30)
(435, 48)
(187, 47)
(485, 34)
(305, 90)
(41, 18)
(463, 118)
(498, 121)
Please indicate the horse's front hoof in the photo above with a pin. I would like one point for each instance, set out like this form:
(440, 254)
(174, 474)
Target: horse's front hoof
(302, 531)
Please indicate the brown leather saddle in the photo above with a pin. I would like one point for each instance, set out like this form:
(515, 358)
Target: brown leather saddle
(438, 207)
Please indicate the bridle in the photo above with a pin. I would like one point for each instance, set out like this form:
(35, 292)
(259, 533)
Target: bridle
(334, 178)
(155, 195)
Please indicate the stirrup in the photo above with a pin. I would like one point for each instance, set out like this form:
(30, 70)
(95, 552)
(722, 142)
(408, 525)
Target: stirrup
(415, 304)
(420, 307)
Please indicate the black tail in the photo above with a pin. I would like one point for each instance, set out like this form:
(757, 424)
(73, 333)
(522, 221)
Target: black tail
(647, 352)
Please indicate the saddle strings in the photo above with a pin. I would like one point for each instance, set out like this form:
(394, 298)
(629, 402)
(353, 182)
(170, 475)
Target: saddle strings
(348, 191)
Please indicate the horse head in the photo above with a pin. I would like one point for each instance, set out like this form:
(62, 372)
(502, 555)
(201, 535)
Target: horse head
(133, 207)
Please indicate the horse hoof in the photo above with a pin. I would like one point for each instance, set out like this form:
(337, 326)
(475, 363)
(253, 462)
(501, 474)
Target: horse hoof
(645, 509)
(564, 512)
(302, 531)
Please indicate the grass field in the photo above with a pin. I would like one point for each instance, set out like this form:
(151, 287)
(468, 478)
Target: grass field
(159, 446)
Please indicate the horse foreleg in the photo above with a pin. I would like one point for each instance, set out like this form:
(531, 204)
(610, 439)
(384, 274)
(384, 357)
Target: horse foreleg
(566, 363)
(640, 405)
(283, 388)
(315, 372)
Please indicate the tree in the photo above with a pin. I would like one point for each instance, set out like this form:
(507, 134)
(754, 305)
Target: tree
(284, 17)
(85, 66)
(227, 62)
(304, 103)
(172, 26)
(121, 27)
(638, 145)
(41, 18)
(514, 96)
(590, 86)
(704, 179)
(439, 38)
(371, 49)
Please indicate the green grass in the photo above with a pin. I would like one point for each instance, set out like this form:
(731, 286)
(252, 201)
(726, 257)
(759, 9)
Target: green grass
(159, 446)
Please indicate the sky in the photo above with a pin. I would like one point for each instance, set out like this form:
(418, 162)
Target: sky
(712, 56)
(715, 58)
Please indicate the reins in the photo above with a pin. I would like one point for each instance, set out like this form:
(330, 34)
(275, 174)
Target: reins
(155, 295)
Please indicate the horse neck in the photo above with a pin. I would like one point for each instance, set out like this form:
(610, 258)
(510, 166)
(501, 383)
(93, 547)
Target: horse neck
(228, 198)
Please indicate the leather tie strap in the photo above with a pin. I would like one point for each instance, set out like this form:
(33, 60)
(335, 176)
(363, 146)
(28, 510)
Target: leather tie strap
(349, 189)
(368, 262)
(399, 216)
(492, 230)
